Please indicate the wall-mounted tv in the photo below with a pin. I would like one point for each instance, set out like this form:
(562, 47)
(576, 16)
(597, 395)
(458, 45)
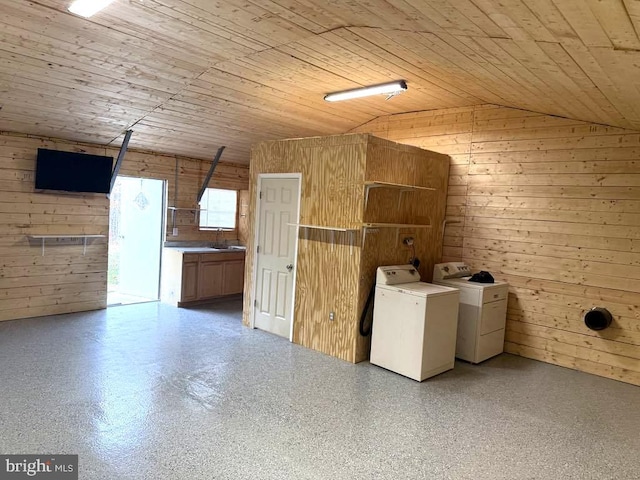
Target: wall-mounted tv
(73, 172)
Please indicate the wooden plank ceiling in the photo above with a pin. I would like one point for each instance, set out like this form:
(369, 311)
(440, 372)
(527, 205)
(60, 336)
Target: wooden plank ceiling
(191, 75)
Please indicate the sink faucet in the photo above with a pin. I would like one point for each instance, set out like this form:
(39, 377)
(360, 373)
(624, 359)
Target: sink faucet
(219, 232)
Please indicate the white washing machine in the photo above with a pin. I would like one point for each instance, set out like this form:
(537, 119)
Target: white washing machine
(414, 324)
(482, 315)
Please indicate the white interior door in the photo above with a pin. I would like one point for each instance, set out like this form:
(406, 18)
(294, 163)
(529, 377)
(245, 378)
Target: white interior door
(275, 261)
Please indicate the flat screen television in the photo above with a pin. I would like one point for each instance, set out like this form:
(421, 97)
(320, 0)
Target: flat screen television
(73, 172)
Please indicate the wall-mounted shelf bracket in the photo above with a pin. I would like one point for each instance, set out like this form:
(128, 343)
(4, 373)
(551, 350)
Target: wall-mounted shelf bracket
(365, 231)
(332, 230)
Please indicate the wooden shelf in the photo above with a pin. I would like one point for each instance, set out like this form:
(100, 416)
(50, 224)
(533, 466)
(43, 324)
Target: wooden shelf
(365, 227)
(398, 186)
(394, 225)
(186, 209)
(320, 227)
(81, 236)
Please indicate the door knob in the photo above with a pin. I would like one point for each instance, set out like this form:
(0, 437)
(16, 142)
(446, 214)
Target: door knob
(290, 267)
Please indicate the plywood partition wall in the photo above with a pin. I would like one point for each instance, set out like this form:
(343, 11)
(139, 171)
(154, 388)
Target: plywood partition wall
(64, 279)
(551, 205)
(334, 271)
(332, 170)
(401, 164)
(243, 216)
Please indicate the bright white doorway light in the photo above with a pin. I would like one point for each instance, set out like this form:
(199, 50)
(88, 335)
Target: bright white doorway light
(136, 233)
(86, 8)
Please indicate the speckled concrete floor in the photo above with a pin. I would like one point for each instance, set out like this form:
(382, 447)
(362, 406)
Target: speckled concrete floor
(153, 392)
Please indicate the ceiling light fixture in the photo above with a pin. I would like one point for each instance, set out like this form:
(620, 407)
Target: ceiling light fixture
(391, 89)
(86, 8)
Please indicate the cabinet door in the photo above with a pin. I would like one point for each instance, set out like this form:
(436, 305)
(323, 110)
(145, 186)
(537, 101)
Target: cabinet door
(233, 277)
(210, 279)
(494, 316)
(189, 282)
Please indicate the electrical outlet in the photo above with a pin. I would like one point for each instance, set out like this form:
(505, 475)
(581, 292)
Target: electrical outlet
(332, 316)
(175, 231)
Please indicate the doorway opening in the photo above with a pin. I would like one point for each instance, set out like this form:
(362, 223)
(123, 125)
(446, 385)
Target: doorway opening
(136, 227)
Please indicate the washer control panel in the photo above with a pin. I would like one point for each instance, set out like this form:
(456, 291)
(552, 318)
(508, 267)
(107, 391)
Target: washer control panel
(445, 271)
(395, 274)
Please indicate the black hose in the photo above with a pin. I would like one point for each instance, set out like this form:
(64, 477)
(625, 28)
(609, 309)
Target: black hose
(363, 318)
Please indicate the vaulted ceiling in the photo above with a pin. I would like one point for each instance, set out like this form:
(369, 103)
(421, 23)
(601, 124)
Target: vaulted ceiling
(190, 75)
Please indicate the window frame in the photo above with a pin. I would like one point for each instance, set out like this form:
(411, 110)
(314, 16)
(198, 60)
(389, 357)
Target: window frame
(204, 210)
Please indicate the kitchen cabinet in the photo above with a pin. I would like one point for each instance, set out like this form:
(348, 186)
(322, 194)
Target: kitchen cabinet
(210, 277)
(234, 277)
(189, 281)
(191, 278)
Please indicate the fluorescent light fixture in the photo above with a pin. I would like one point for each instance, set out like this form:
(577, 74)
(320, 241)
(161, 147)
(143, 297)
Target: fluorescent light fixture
(391, 89)
(86, 8)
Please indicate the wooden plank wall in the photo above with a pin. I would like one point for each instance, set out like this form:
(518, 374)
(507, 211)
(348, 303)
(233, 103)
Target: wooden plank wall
(65, 280)
(337, 278)
(551, 205)
(191, 174)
